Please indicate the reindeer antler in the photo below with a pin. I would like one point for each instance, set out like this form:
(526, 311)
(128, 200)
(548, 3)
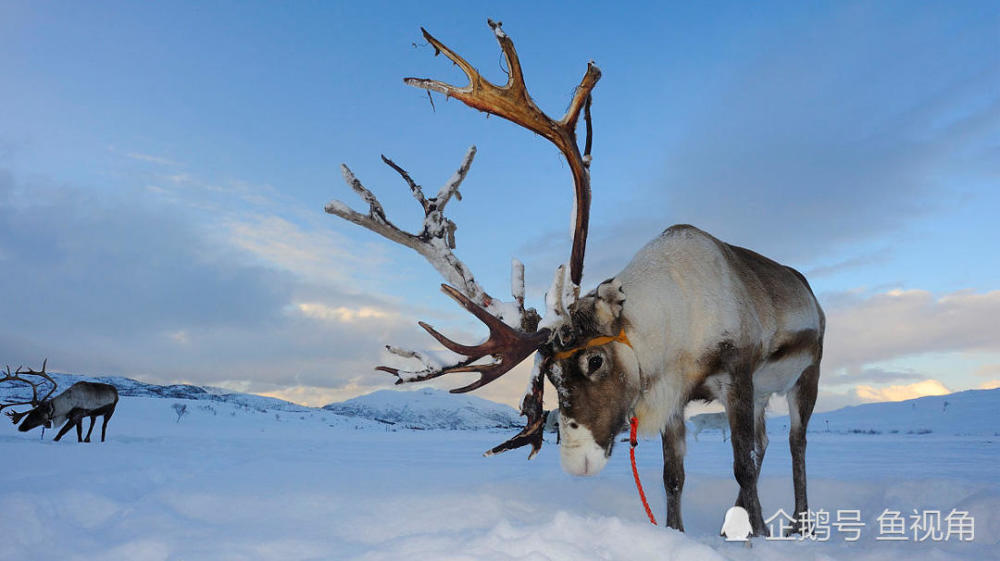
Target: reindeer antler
(437, 238)
(509, 345)
(512, 102)
(17, 376)
(514, 331)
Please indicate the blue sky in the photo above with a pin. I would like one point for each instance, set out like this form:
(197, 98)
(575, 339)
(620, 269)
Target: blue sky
(163, 171)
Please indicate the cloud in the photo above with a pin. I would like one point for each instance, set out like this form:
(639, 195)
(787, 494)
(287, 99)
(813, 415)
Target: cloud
(991, 385)
(341, 314)
(862, 330)
(987, 370)
(180, 337)
(134, 286)
(901, 393)
(152, 159)
(780, 161)
(851, 263)
(112, 267)
(855, 375)
(225, 196)
(810, 155)
(319, 255)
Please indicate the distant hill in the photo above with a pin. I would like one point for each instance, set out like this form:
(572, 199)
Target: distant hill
(429, 409)
(972, 412)
(133, 388)
(417, 410)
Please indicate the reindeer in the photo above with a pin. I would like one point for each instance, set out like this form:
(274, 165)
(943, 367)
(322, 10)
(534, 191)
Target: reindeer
(690, 317)
(81, 400)
(709, 421)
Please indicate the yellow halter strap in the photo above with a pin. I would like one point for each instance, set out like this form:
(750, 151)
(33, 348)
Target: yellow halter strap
(595, 342)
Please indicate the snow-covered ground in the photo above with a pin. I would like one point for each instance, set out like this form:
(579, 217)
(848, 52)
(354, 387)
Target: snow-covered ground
(231, 482)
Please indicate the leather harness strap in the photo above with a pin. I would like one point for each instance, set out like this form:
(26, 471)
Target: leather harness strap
(595, 342)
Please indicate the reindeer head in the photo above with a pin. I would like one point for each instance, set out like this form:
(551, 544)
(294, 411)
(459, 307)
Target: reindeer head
(37, 417)
(594, 369)
(41, 412)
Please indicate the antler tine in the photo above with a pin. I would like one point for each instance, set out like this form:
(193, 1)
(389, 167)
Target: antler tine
(441, 87)
(531, 407)
(496, 326)
(512, 102)
(44, 375)
(17, 377)
(509, 345)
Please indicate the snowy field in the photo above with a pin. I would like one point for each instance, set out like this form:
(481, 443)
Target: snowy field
(229, 483)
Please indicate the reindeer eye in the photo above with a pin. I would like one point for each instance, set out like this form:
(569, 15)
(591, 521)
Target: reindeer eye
(594, 363)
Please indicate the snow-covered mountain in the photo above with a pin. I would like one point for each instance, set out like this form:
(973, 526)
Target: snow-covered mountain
(128, 387)
(971, 412)
(429, 409)
(417, 410)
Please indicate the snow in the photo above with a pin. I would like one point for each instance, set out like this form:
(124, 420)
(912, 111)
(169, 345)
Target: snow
(451, 186)
(972, 412)
(232, 482)
(429, 409)
(337, 207)
(517, 280)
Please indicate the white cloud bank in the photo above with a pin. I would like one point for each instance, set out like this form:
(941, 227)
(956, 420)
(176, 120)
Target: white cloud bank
(864, 331)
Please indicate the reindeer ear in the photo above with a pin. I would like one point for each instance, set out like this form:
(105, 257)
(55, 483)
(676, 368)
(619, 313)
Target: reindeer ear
(608, 305)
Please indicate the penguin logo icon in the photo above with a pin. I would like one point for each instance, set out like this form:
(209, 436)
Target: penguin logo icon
(736, 526)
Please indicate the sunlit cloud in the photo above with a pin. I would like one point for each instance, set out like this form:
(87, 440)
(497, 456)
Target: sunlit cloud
(899, 323)
(322, 256)
(903, 392)
(991, 385)
(342, 314)
(314, 396)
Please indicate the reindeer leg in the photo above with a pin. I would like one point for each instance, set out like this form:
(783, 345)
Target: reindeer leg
(93, 418)
(801, 399)
(104, 426)
(79, 428)
(64, 430)
(674, 447)
(740, 410)
(759, 431)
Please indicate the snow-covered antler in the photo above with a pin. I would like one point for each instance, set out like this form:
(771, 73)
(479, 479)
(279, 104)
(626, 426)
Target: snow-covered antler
(18, 377)
(514, 331)
(436, 240)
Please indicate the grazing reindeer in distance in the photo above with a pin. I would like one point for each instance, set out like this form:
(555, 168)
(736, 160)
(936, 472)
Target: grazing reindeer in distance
(690, 317)
(709, 421)
(81, 400)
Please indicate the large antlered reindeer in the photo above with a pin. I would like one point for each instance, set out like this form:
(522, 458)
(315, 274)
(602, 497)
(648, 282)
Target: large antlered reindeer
(81, 400)
(691, 317)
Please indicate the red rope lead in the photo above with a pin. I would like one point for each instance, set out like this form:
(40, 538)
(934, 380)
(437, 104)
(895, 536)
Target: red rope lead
(633, 440)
